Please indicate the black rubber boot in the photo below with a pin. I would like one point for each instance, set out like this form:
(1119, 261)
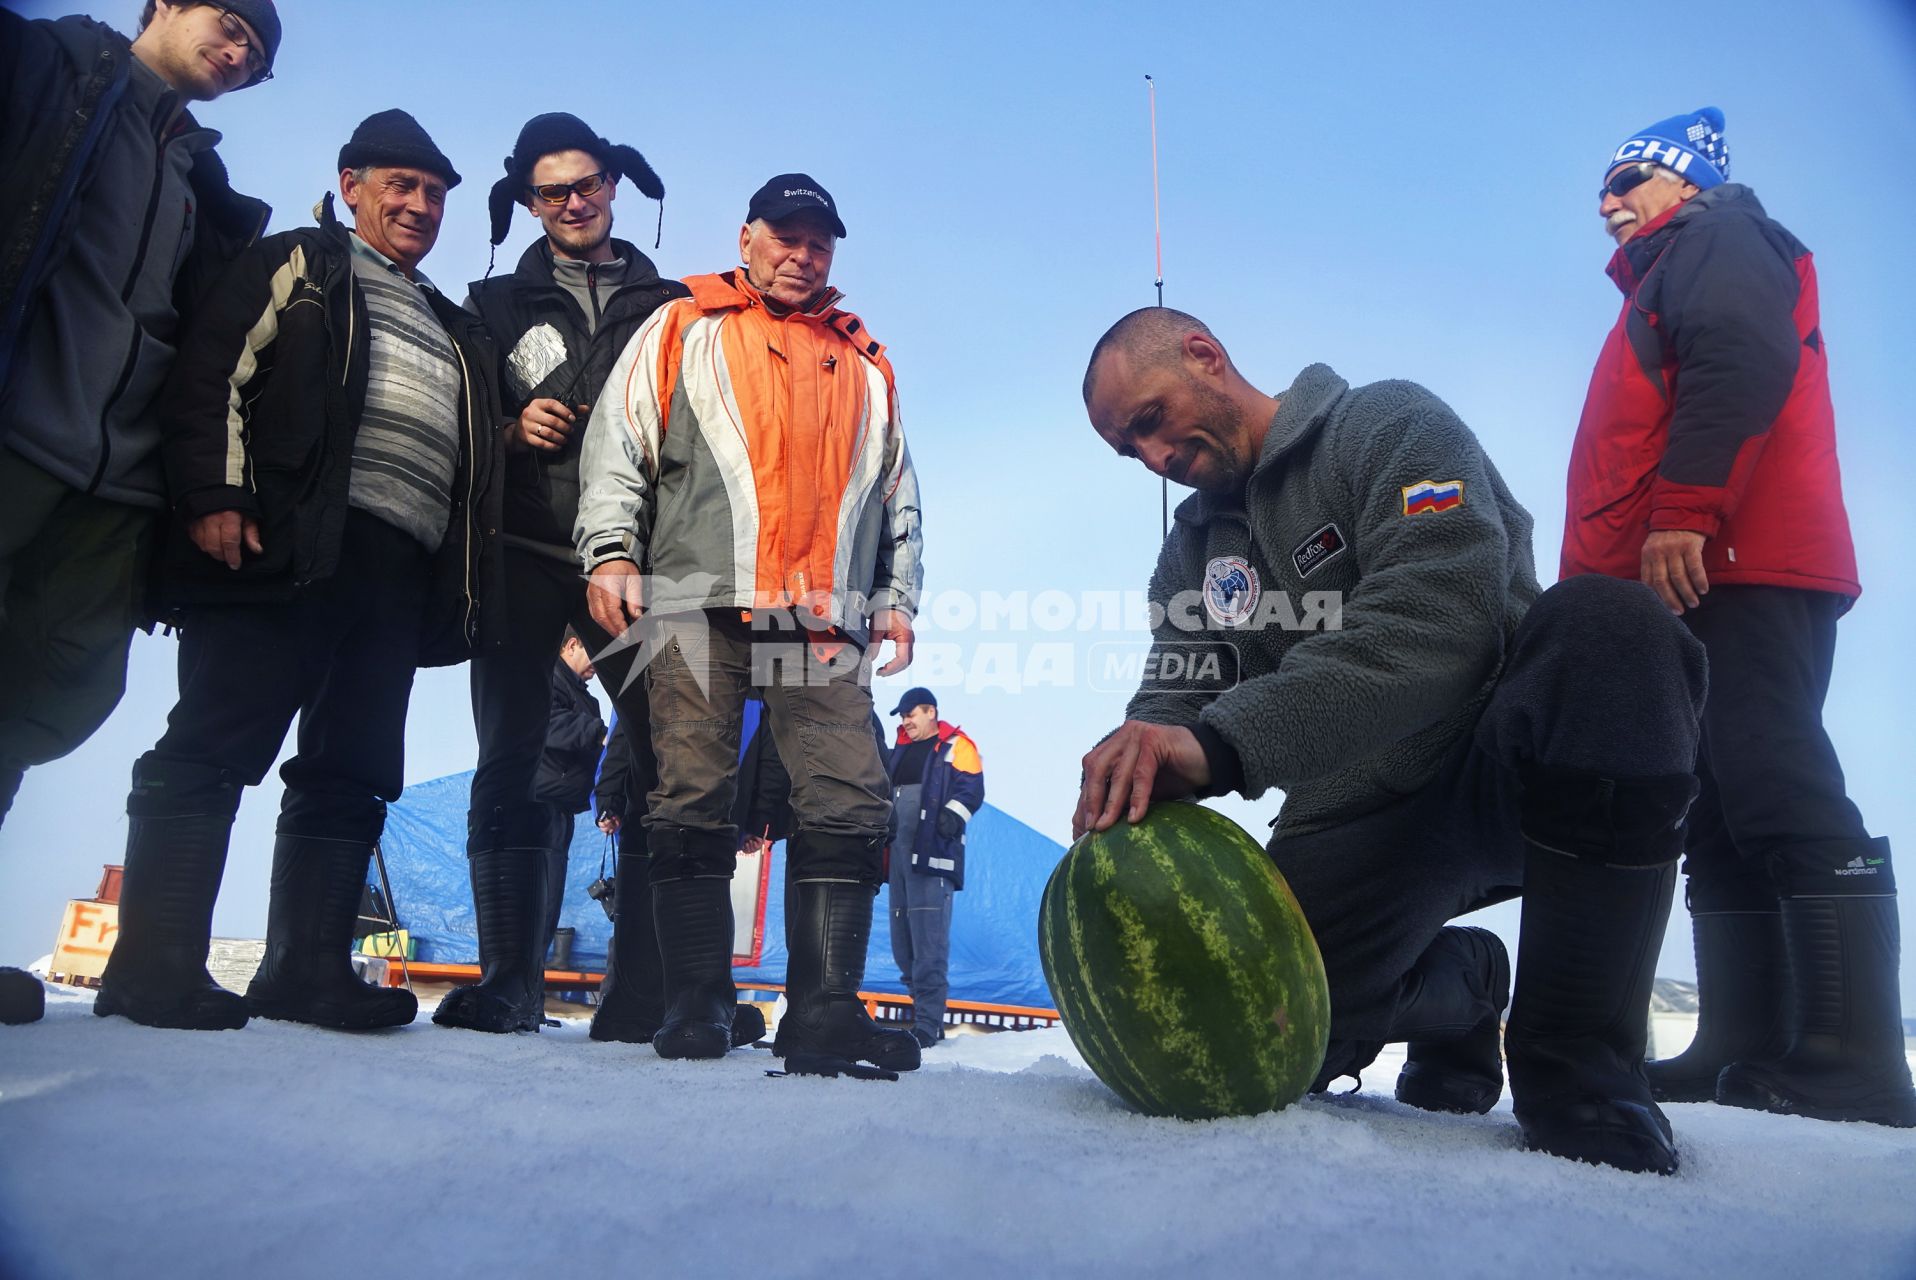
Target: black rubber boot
(557, 863)
(1740, 977)
(828, 926)
(508, 892)
(1846, 1059)
(157, 974)
(1453, 1020)
(307, 975)
(1581, 1019)
(1598, 881)
(693, 915)
(22, 998)
(632, 997)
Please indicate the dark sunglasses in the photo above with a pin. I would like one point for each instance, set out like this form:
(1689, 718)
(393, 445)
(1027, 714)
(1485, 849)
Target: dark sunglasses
(1624, 181)
(236, 34)
(559, 192)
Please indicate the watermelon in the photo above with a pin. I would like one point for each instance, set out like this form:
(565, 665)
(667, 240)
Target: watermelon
(1183, 967)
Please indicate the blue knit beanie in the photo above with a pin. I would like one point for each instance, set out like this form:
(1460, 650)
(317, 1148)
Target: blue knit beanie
(1691, 144)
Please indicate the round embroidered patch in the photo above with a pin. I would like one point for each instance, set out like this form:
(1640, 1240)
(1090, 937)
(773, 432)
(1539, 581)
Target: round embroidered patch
(1230, 590)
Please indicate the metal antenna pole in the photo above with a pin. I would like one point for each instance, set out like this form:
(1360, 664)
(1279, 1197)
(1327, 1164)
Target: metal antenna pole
(1157, 236)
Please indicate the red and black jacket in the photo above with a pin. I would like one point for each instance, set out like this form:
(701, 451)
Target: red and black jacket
(1709, 409)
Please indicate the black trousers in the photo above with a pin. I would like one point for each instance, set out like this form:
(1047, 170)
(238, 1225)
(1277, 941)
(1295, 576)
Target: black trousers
(1599, 680)
(1773, 815)
(512, 701)
(340, 655)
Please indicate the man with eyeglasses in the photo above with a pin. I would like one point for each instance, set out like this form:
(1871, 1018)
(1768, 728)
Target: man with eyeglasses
(331, 437)
(115, 217)
(766, 537)
(559, 320)
(1705, 464)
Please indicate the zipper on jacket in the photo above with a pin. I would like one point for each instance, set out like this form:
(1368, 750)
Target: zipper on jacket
(98, 101)
(472, 465)
(161, 143)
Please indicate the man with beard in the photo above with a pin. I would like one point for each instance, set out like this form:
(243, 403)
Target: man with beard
(559, 320)
(1445, 737)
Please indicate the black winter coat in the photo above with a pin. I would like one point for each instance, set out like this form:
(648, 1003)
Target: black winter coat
(260, 415)
(530, 316)
(575, 736)
(63, 91)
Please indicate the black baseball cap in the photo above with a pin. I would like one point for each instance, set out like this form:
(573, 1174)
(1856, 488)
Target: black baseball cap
(917, 696)
(791, 193)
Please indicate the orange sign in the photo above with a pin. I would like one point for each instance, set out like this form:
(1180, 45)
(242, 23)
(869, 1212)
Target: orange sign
(86, 938)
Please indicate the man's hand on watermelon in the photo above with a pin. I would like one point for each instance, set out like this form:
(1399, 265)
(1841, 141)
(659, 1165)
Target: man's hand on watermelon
(1135, 765)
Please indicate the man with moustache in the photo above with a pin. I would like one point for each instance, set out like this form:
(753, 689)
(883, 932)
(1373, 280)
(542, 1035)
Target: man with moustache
(115, 216)
(329, 439)
(769, 539)
(1705, 465)
(1445, 736)
(559, 320)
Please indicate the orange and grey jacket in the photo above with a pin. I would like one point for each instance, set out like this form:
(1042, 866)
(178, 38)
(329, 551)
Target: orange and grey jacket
(749, 459)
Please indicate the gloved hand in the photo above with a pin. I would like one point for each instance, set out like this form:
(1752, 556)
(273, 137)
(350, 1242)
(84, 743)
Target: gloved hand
(950, 825)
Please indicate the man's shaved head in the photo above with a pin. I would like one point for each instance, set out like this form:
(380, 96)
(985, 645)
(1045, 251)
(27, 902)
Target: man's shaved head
(1149, 337)
(1160, 388)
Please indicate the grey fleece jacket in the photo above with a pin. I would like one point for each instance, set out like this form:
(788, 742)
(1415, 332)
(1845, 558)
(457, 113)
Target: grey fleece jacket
(1349, 700)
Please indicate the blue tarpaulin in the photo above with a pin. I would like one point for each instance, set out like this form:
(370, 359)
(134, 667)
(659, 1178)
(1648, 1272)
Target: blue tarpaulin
(994, 926)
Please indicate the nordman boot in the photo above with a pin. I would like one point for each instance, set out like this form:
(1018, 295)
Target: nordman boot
(1739, 985)
(828, 925)
(508, 892)
(307, 974)
(631, 1005)
(157, 974)
(632, 997)
(693, 915)
(1580, 1022)
(1454, 1023)
(1598, 880)
(1846, 1058)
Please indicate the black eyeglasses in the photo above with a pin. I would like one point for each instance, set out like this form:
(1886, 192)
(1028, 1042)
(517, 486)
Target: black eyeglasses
(235, 32)
(1624, 181)
(556, 193)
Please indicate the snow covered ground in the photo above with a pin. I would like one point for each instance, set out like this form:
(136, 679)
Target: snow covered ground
(283, 1151)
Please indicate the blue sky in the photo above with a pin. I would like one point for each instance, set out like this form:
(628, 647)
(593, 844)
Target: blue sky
(1397, 190)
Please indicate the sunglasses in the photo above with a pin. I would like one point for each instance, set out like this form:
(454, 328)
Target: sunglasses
(557, 193)
(236, 34)
(1624, 181)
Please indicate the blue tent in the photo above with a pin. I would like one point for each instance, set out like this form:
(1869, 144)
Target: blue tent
(994, 927)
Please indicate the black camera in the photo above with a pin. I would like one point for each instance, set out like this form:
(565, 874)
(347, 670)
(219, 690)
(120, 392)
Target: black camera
(600, 891)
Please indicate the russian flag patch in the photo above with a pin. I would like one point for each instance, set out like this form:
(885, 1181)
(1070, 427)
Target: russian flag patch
(1428, 497)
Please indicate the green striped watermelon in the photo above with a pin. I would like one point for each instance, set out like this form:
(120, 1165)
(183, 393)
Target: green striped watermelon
(1183, 967)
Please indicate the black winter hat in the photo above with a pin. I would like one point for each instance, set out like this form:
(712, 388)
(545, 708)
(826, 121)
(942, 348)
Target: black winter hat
(263, 18)
(560, 131)
(393, 138)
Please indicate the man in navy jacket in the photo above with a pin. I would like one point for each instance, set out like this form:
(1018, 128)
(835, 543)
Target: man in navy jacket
(938, 785)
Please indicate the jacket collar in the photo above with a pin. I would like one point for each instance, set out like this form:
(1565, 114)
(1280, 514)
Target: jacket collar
(536, 268)
(1634, 257)
(946, 732)
(731, 291)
